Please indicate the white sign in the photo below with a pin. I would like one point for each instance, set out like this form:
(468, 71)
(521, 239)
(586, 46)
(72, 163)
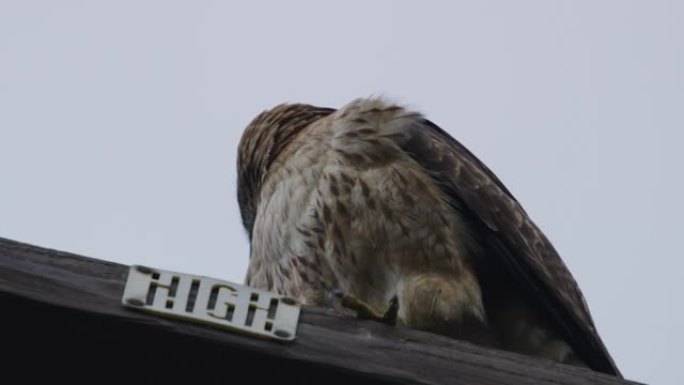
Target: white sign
(211, 301)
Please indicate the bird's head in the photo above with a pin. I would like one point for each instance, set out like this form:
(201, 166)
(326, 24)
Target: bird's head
(262, 141)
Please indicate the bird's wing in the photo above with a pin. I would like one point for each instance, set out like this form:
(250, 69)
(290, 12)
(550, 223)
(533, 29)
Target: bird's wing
(512, 236)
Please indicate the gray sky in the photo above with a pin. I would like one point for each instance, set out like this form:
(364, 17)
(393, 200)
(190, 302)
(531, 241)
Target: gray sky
(119, 123)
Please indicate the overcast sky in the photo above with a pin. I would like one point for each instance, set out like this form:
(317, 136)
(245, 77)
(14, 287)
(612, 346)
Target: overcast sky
(119, 123)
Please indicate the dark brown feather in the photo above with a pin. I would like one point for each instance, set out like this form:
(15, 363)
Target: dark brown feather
(510, 236)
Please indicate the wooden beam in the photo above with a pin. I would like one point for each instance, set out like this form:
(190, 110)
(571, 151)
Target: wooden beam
(61, 313)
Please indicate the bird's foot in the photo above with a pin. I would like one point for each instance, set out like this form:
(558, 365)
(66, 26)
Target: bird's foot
(337, 298)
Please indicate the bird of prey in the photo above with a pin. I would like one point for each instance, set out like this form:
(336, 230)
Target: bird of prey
(378, 207)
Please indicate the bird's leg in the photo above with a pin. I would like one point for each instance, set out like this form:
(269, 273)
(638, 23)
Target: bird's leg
(362, 309)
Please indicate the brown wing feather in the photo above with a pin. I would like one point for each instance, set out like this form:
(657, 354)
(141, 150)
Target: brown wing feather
(511, 236)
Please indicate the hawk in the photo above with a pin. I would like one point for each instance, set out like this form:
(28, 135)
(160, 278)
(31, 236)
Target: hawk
(377, 206)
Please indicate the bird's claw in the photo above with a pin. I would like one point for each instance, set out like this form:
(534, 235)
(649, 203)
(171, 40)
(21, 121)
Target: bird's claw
(337, 298)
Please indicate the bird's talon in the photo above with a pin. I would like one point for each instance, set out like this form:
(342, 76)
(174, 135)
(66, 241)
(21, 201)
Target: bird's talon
(337, 299)
(390, 316)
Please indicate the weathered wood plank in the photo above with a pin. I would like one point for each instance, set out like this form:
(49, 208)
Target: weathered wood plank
(52, 299)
